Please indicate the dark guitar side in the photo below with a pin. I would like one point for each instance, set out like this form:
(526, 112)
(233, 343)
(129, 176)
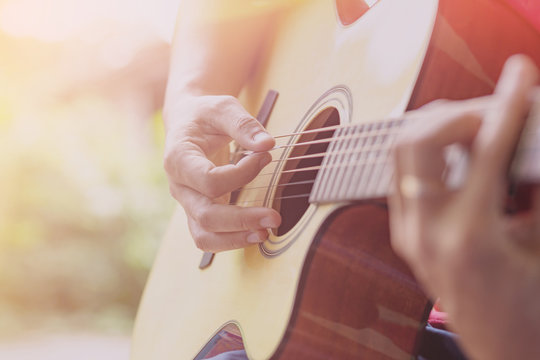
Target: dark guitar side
(356, 299)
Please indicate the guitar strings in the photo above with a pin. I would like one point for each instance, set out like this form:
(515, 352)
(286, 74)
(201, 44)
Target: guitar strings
(389, 177)
(274, 199)
(314, 168)
(335, 127)
(275, 186)
(480, 104)
(364, 135)
(332, 166)
(375, 149)
(364, 149)
(376, 129)
(383, 127)
(319, 155)
(382, 174)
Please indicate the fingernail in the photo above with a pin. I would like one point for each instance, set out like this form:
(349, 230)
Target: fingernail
(261, 136)
(269, 222)
(254, 238)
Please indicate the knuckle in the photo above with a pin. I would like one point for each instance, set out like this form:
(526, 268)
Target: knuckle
(228, 100)
(411, 145)
(200, 237)
(243, 222)
(201, 242)
(221, 102)
(203, 217)
(209, 187)
(213, 192)
(404, 147)
(234, 242)
(246, 124)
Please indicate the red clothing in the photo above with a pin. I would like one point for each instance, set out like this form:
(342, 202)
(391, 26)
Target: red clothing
(529, 9)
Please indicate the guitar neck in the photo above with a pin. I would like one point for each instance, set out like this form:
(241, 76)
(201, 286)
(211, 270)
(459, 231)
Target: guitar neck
(358, 162)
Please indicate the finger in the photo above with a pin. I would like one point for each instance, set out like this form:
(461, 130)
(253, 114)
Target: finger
(503, 123)
(453, 108)
(396, 223)
(215, 242)
(214, 217)
(420, 156)
(188, 166)
(230, 117)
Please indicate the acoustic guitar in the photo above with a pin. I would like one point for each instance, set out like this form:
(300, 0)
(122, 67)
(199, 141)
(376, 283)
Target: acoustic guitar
(326, 284)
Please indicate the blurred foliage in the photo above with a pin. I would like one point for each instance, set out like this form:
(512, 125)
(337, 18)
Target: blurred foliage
(83, 205)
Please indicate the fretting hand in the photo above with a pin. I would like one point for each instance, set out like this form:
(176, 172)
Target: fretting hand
(460, 244)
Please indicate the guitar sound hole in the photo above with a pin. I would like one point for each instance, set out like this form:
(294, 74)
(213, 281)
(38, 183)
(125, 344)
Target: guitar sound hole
(293, 188)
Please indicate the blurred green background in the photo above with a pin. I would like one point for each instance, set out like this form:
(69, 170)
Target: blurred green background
(83, 197)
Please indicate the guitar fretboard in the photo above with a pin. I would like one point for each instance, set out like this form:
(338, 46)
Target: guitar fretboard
(358, 163)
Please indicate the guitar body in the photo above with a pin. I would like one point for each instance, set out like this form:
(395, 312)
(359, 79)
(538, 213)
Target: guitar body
(328, 286)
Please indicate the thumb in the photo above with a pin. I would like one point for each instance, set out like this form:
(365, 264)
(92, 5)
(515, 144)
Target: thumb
(236, 122)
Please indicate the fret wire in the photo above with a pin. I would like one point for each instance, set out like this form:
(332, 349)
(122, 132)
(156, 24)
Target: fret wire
(330, 187)
(318, 185)
(354, 158)
(375, 170)
(360, 161)
(365, 173)
(321, 186)
(388, 165)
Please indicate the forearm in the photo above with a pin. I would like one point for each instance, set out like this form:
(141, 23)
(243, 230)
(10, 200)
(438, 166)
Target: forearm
(215, 51)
